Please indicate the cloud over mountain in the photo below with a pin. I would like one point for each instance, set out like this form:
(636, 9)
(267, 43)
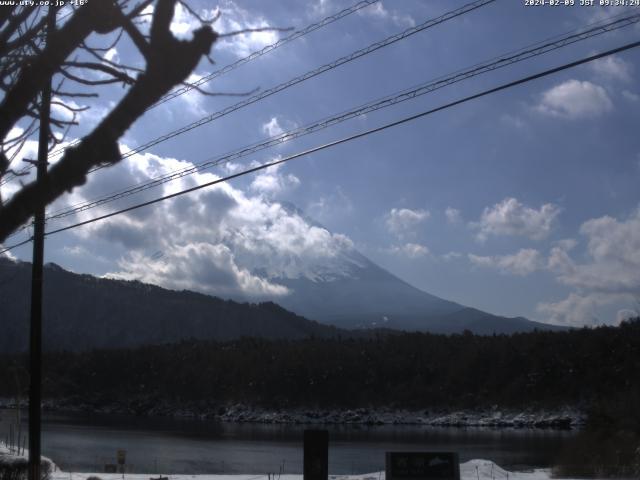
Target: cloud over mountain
(219, 240)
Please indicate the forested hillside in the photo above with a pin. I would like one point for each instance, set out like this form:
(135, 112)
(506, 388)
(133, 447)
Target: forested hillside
(582, 368)
(82, 312)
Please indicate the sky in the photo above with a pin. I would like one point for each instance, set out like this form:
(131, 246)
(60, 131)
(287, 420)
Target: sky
(521, 203)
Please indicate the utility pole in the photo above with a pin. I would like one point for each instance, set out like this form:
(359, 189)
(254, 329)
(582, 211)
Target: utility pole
(35, 334)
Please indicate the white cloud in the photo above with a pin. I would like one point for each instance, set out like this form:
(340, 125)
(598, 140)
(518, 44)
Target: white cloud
(329, 206)
(276, 127)
(523, 262)
(192, 98)
(447, 257)
(576, 310)
(379, 11)
(235, 18)
(183, 23)
(90, 114)
(147, 13)
(319, 8)
(510, 217)
(513, 121)
(626, 314)
(400, 221)
(411, 250)
(7, 255)
(614, 253)
(28, 151)
(566, 244)
(574, 99)
(453, 215)
(76, 251)
(219, 240)
(112, 55)
(271, 182)
(272, 128)
(200, 266)
(60, 112)
(609, 274)
(614, 68)
(632, 97)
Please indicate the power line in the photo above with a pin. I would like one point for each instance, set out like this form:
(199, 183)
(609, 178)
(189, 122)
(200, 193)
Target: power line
(528, 52)
(308, 75)
(232, 66)
(505, 86)
(252, 56)
(8, 249)
(302, 78)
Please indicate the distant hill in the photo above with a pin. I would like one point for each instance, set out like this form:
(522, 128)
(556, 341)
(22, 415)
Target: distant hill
(83, 312)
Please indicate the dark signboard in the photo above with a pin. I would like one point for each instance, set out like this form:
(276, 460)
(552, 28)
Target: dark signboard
(122, 457)
(316, 455)
(422, 466)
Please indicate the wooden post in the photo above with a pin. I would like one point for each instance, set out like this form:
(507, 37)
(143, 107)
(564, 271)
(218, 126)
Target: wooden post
(316, 455)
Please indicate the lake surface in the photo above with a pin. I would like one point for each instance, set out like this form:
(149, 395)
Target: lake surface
(85, 443)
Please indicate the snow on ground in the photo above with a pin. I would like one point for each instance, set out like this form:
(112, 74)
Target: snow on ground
(471, 470)
(11, 457)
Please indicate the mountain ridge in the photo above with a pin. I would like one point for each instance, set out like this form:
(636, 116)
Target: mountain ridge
(112, 313)
(129, 313)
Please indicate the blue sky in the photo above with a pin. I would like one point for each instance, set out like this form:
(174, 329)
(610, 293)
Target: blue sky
(520, 203)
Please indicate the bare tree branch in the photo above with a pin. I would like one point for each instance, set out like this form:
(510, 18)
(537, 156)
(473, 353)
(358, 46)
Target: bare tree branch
(108, 47)
(14, 24)
(136, 37)
(202, 21)
(254, 30)
(60, 93)
(169, 62)
(121, 76)
(85, 81)
(94, 16)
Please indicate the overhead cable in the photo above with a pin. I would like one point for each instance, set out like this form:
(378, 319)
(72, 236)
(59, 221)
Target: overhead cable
(425, 88)
(325, 146)
(232, 66)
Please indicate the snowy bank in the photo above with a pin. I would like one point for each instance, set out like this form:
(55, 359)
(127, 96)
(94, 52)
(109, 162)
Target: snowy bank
(471, 470)
(15, 466)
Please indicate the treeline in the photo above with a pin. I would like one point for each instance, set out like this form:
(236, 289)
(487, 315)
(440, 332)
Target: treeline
(586, 368)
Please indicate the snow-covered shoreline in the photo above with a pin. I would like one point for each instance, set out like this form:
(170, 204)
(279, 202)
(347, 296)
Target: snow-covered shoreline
(566, 418)
(563, 418)
(471, 470)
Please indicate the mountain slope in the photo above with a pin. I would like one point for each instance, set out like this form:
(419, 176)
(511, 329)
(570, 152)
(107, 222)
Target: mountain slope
(350, 291)
(83, 312)
(374, 298)
(363, 293)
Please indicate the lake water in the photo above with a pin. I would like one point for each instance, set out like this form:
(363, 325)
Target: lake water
(84, 443)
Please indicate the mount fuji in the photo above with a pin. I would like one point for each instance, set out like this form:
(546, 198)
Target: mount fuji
(350, 291)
